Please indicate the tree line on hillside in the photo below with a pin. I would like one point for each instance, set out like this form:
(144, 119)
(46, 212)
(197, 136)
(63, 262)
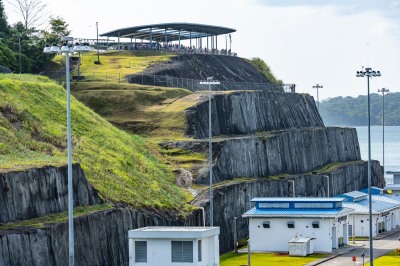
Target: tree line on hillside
(349, 111)
(21, 44)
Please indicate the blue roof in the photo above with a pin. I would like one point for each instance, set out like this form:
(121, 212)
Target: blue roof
(363, 206)
(296, 212)
(387, 198)
(354, 196)
(293, 199)
(374, 190)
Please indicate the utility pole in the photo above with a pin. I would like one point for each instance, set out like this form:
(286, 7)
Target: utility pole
(383, 90)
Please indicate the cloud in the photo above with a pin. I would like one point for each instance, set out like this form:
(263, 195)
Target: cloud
(390, 8)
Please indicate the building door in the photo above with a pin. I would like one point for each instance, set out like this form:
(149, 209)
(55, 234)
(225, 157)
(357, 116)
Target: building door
(345, 234)
(334, 239)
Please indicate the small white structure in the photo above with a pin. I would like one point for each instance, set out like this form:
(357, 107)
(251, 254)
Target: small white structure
(273, 222)
(168, 246)
(300, 246)
(396, 176)
(385, 211)
(395, 188)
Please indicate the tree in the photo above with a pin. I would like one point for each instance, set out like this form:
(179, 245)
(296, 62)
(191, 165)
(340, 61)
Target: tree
(58, 29)
(3, 20)
(32, 12)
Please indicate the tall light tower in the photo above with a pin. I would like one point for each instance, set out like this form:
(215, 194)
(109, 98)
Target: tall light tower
(383, 90)
(210, 82)
(368, 72)
(67, 48)
(317, 86)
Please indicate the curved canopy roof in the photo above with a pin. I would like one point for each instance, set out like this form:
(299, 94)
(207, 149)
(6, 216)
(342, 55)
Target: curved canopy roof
(169, 31)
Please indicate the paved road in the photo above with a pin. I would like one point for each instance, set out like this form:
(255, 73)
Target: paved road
(381, 247)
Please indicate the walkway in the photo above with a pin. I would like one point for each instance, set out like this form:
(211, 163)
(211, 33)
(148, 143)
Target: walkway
(384, 244)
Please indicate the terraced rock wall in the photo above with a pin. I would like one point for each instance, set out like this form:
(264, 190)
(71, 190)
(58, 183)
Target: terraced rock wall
(41, 191)
(250, 112)
(100, 238)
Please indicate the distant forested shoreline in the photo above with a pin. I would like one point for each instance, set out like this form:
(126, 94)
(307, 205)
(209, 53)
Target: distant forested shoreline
(349, 111)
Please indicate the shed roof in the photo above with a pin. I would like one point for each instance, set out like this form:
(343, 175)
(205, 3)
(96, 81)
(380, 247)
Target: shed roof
(301, 239)
(300, 213)
(169, 31)
(396, 171)
(173, 232)
(292, 199)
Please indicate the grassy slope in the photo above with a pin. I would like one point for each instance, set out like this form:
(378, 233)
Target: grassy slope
(119, 165)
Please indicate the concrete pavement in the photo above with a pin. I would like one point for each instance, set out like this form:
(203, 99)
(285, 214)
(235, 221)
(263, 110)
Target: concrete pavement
(383, 244)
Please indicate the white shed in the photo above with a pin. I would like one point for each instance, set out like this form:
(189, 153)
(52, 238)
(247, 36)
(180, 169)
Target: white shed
(168, 246)
(301, 246)
(273, 222)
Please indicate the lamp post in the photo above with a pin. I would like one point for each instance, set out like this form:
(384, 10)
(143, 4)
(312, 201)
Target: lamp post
(368, 72)
(383, 90)
(210, 82)
(317, 86)
(67, 48)
(97, 32)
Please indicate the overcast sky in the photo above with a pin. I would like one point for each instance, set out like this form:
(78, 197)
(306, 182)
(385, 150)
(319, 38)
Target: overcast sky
(303, 41)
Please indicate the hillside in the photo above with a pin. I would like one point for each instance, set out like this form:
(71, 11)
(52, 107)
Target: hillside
(122, 167)
(353, 111)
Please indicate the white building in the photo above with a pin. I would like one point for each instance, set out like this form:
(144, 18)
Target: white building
(385, 212)
(169, 246)
(274, 222)
(395, 187)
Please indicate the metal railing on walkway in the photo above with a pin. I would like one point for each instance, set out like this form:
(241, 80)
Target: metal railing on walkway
(194, 84)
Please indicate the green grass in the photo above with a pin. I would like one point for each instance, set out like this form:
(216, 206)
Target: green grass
(390, 259)
(55, 218)
(145, 110)
(270, 259)
(122, 167)
(115, 65)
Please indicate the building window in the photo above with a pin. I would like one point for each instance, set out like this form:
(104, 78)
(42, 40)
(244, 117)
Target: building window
(290, 224)
(182, 251)
(315, 224)
(266, 224)
(140, 251)
(199, 250)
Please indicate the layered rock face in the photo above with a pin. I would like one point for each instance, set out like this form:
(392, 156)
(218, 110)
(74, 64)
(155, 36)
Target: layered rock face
(232, 199)
(284, 152)
(100, 238)
(250, 112)
(199, 67)
(42, 191)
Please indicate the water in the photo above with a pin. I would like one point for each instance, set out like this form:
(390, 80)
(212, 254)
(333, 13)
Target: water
(392, 147)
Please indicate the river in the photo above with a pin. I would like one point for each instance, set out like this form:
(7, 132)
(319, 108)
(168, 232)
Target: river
(392, 147)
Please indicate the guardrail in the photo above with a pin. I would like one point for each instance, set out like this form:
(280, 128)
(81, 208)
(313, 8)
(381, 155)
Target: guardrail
(194, 84)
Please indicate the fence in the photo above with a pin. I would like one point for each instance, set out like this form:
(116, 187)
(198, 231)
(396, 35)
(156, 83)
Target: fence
(194, 84)
(175, 82)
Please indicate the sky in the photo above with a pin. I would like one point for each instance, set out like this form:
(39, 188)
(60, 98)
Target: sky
(303, 41)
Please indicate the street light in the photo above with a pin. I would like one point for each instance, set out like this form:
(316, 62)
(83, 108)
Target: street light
(67, 48)
(368, 72)
(383, 90)
(317, 86)
(210, 82)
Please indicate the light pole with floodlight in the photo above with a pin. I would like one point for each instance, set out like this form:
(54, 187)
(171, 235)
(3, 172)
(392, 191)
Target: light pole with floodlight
(369, 73)
(317, 86)
(210, 82)
(383, 90)
(67, 48)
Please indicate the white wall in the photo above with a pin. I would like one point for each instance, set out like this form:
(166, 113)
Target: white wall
(362, 228)
(159, 252)
(277, 237)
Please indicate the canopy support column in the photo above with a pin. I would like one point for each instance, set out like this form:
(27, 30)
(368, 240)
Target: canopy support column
(179, 44)
(190, 39)
(119, 44)
(151, 38)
